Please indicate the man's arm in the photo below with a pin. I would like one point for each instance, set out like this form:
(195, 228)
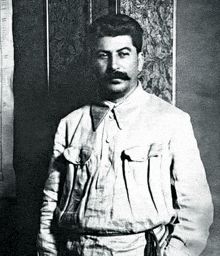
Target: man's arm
(195, 208)
(46, 240)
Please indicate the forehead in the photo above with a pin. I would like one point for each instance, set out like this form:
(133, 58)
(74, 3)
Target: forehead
(109, 43)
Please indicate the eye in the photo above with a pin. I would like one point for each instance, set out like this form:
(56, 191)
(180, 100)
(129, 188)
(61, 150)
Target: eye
(123, 54)
(102, 55)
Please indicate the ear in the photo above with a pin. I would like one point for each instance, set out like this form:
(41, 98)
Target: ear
(140, 61)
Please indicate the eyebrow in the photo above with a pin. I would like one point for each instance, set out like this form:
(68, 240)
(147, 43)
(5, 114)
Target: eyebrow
(124, 48)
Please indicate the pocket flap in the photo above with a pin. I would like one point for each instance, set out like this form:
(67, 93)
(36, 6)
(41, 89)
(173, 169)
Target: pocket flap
(135, 154)
(155, 150)
(140, 154)
(77, 155)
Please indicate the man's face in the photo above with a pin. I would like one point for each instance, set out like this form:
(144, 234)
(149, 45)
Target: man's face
(116, 65)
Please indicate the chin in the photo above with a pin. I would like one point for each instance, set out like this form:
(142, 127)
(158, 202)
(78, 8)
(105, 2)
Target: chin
(115, 92)
(115, 89)
(116, 86)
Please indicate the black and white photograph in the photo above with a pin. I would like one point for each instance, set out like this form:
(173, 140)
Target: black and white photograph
(109, 127)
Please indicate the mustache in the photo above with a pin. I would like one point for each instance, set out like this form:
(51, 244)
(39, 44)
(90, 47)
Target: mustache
(117, 75)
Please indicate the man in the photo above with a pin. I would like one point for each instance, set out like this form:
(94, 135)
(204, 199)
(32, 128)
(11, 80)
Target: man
(134, 183)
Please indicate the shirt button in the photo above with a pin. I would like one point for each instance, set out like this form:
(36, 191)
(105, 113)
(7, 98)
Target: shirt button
(107, 165)
(111, 116)
(100, 189)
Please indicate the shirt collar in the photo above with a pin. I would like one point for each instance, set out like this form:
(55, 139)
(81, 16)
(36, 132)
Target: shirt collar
(121, 110)
(99, 111)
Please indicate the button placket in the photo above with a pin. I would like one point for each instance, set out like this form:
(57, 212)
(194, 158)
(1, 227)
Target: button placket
(106, 155)
(111, 127)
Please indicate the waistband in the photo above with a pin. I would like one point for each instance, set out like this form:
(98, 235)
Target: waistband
(161, 232)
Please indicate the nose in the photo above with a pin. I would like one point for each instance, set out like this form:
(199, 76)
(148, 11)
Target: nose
(113, 63)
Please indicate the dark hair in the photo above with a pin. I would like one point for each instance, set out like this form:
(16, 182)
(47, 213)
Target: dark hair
(117, 25)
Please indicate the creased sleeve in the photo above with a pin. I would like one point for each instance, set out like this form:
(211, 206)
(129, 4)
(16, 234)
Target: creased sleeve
(194, 202)
(46, 240)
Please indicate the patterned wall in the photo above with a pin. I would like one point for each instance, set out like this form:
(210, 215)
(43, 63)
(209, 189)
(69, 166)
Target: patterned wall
(156, 18)
(67, 28)
(99, 8)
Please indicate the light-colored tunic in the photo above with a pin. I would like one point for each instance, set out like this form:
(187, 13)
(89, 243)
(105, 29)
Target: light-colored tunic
(128, 168)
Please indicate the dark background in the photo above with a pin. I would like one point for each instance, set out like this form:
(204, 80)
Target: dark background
(37, 112)
(198, 89)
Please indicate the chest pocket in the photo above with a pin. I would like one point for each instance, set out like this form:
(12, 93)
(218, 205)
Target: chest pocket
(81, 165)
(138, 161)
(147, 173)
(79, 169)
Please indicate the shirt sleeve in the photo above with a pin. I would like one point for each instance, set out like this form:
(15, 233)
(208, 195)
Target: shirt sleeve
(46, 239)
(194, 202)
